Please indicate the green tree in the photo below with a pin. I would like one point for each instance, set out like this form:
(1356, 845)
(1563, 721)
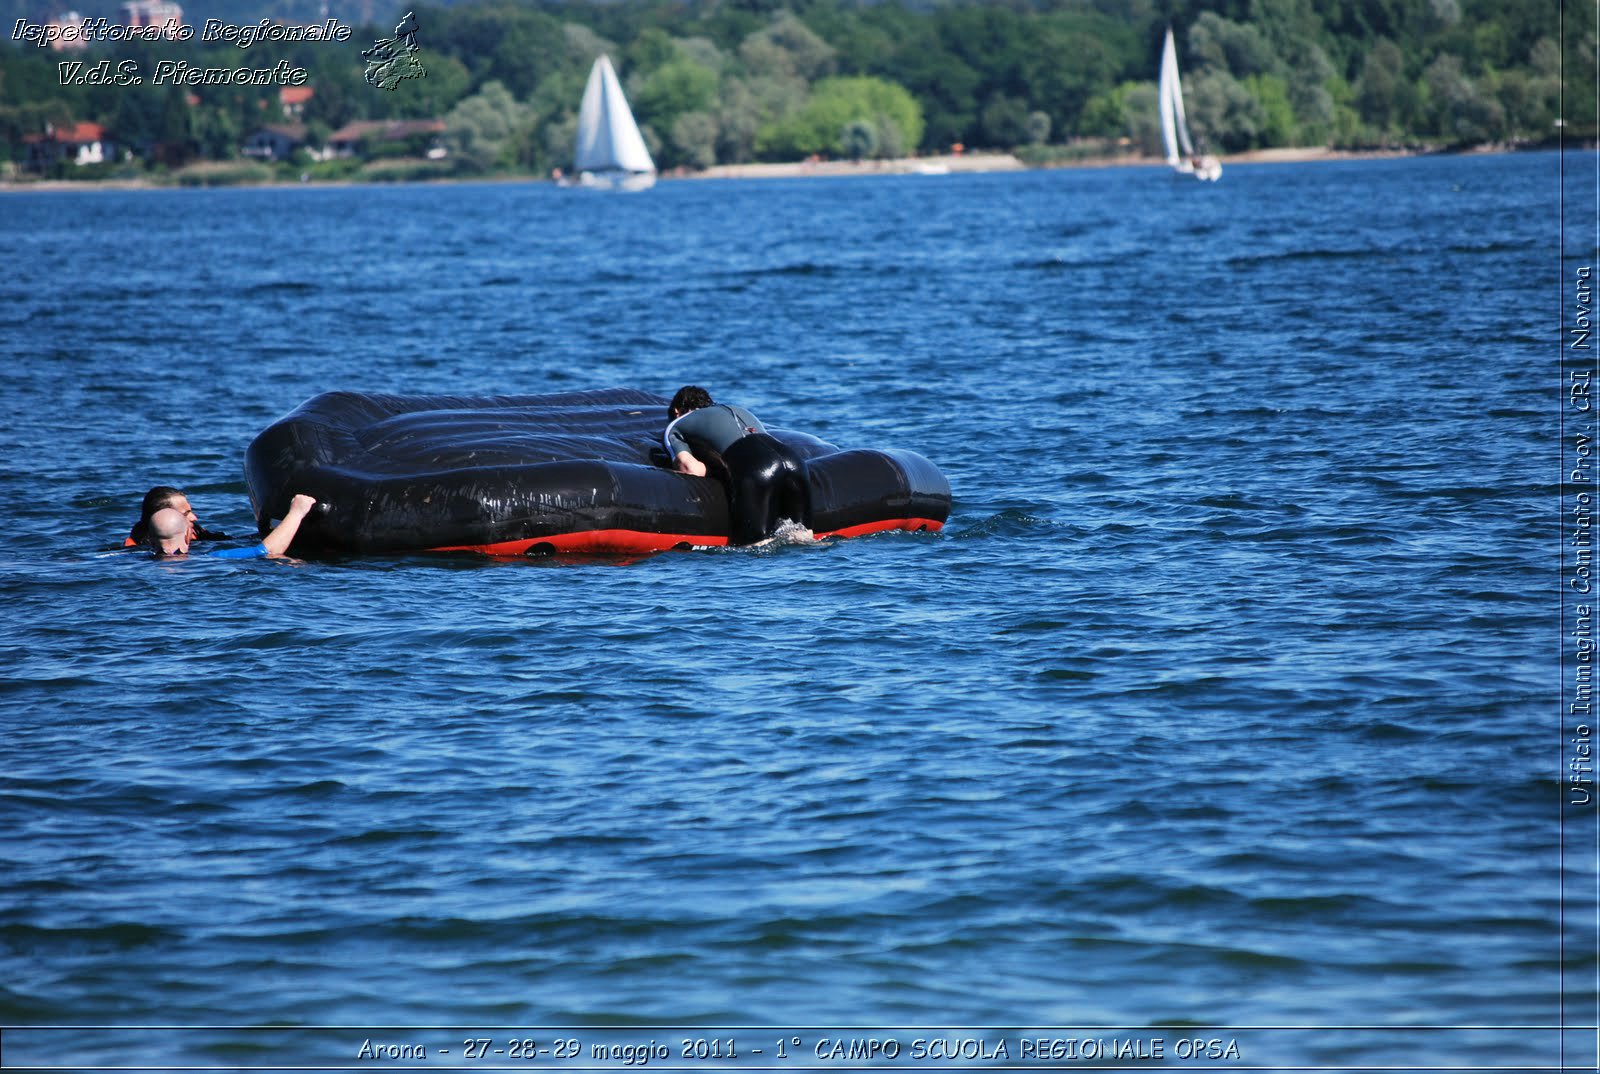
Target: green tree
(137, 125)
(1308, 80)
(1038, 128)
(1277, 126)
(652, 141)
(1130, 111)
(217, 134)
(162, 123)
(1458, 108)
(1580, 75)
(694, 139)
(1063, 90)
(530, 44)
(1543, 95)
(892, 140)
(786, 46)
(1291, 28)
(556, 142)
(671, 90)
(1223, 113)
(835, 103)
(703, 51)
(739, 117)
(484, 129)
(859, 139)
(1238, 49)
(1384, 97)
(334, 100)
(945, 86)
(1444, 13)
(580, 47)
(651, 49)
(448, 81)
(1003, 123)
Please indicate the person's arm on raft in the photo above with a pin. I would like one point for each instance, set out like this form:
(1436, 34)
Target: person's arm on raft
(282, 536)
(683, 459)
(278, 541)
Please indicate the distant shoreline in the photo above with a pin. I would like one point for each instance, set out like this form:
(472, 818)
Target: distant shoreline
(949, 163)
(999, 162)
(809, 169)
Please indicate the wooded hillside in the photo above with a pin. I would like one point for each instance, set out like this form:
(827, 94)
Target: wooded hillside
(737, 80)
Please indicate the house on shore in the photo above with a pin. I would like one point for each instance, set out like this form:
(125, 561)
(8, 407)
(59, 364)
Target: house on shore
(275, 141)
(293, 100)
(389, 138)
(77, 143)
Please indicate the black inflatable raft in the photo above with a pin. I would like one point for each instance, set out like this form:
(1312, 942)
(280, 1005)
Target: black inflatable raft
(518, 474)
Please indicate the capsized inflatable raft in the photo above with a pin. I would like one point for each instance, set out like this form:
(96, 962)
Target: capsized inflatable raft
(521, 474)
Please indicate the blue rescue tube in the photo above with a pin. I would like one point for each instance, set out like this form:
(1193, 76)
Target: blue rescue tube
(518, 474)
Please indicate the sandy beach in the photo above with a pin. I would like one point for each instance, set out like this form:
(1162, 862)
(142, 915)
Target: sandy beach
(944, 164)
(950, 163)
(935, 165)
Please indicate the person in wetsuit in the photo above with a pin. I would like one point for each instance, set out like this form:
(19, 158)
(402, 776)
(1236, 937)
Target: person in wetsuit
(164, 496)
(766, 479)
(169, 533)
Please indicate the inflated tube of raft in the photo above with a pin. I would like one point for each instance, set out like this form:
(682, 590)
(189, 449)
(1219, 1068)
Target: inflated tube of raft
(567, 472)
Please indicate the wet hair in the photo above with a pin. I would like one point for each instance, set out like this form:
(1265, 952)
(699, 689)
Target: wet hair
(156, 499)
(689, 398)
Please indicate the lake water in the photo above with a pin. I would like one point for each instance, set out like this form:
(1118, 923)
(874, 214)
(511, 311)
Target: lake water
(1228, 702)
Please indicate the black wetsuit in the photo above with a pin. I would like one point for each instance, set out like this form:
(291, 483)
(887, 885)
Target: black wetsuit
(766, 480)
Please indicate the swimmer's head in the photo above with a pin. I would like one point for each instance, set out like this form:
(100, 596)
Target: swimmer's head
(169, 532)
(689, 397)
(167, 496)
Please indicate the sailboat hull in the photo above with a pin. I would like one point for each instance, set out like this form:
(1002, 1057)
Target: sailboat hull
(1206, 169)
(627, 182)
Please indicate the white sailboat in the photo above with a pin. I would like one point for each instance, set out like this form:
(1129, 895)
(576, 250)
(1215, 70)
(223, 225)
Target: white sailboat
(610, 152)
(1174, 127)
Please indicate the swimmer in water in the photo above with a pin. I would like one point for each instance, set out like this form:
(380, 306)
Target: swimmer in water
(166, 496)
(169, 533)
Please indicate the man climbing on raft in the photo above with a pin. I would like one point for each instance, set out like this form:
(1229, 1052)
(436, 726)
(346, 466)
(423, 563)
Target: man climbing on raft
(766, 480)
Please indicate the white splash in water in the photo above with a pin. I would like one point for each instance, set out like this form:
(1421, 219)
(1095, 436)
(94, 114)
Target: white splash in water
(791, 532)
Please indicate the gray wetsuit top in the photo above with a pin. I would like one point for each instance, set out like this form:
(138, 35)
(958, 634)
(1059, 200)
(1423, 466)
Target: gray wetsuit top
(718, 426)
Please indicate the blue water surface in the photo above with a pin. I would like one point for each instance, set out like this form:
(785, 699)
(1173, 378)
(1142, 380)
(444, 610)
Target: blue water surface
(1228, 695)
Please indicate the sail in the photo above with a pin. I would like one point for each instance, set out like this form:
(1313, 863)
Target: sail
(608, 138)
(1174, 126)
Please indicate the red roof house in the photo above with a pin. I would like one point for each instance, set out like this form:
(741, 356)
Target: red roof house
(294, 99)
(81, 143)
